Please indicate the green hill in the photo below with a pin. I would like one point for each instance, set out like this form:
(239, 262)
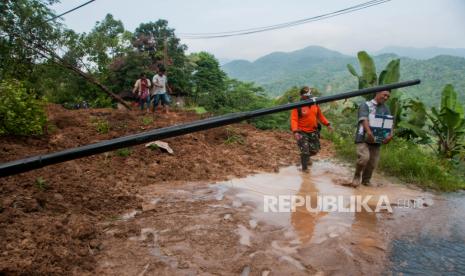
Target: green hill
(326, 70)
(422, 53)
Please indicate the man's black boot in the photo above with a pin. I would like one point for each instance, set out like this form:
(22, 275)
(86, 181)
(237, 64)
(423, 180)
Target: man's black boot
(304, 161)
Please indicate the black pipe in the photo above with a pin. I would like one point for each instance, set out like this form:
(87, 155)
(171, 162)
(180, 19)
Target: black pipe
(39, 161)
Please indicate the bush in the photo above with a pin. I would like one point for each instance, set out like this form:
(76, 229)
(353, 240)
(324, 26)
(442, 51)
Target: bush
(102, 126)
(20, 112)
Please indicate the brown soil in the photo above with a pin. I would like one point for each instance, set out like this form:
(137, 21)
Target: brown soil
(56, 219)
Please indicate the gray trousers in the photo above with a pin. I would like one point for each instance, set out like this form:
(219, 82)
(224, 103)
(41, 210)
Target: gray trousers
(367, 160)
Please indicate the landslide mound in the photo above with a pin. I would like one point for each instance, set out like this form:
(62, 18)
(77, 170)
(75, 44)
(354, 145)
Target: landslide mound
(51, 218)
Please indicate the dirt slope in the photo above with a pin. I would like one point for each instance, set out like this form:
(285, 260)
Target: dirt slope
(52, 219)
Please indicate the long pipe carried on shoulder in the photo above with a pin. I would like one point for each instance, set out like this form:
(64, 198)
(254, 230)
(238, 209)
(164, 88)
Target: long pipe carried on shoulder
(39, 161)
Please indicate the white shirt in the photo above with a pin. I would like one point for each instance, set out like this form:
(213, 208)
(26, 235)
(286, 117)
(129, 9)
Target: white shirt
(159, 84)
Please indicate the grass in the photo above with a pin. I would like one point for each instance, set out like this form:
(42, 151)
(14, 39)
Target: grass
(102, 126)
(124, 152)
(147, 121)
(407, 161)
(233, 137)
(153, 147)
(197, 109)
(415, 164)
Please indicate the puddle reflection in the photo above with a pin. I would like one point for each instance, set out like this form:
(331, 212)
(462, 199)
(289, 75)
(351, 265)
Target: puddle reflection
(304, 220)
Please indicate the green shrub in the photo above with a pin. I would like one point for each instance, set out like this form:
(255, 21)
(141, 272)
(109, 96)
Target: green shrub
(147, 121)
(198, 109)
(102, 126)
(154, 147)
(124, 152)
(20, 112)
(41, 184)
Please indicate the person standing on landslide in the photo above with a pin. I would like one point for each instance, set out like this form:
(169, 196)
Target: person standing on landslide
(160, 84)
(367, 149)
(304, 125)
(142, 91)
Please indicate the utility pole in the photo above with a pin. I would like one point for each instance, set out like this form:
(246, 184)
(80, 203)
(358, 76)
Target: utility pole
(165, 52)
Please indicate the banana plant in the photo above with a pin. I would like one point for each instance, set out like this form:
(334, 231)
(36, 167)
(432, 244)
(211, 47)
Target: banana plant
(448, 124)
(367, 65)
(412, 120)
(369, 78)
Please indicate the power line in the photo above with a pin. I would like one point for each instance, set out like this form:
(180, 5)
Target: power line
(285, 25)
(282, 25)
(71, 10)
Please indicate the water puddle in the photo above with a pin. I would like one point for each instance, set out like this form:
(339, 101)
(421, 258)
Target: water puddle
(309, 224)
(252, 227)
(311, 236)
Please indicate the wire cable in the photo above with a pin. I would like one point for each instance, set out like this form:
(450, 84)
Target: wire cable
(71, 10)
(282, 25)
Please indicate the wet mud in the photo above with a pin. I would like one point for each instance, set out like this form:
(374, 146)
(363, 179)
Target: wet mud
(54, 220)
(222, 228)
(202, 209)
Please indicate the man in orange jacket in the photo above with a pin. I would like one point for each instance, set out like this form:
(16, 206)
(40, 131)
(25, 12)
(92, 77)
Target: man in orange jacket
(304, 125)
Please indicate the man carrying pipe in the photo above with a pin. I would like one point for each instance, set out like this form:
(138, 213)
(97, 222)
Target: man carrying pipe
(304, 125)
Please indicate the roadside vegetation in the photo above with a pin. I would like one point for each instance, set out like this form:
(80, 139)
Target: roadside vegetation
(429, 145)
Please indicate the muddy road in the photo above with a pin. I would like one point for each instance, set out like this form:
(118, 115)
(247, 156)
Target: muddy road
(222, 228)
(202, 209)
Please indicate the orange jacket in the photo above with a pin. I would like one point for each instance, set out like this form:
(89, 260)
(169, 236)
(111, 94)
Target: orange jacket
(308, 121)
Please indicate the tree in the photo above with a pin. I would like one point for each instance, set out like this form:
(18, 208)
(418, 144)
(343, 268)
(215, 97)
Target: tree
(164, 48)
(125, 69)
(24, 23)
(28, 40)
(106, 41)
(208, 80)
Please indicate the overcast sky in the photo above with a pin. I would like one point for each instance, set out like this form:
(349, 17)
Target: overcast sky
(413, 23)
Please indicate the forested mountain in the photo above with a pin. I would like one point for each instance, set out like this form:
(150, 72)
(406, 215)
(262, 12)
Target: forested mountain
(422, 53)
(327, 70)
